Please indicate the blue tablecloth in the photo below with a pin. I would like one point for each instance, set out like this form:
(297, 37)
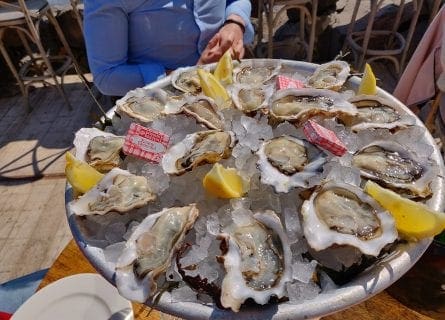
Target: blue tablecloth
(15, 292)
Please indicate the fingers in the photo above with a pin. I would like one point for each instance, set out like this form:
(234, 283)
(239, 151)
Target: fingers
(225, 44)
(213, 42)
(238, 50)
(228, 38)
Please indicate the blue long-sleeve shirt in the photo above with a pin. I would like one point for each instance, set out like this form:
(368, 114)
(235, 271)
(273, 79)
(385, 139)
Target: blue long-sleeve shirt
(132, 43)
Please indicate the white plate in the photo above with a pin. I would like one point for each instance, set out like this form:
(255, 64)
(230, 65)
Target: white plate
(80, 297)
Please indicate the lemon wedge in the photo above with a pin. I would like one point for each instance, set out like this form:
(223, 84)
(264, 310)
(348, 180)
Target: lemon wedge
(223, 182)
(81, 176)
(213, 88)
(224, 69)
(368, 84)
(414, 220)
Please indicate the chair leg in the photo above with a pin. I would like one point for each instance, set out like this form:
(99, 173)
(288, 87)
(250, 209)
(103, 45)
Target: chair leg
(25, 43)
(62, 93)
(313, 28)
(260, 21)
(412, 26)
(35, 35)
(431, 117)
(15, 74)
(75, 7)
(374, 5)
(26, 98)
(270, 29)
(65, 44)
(351, 26)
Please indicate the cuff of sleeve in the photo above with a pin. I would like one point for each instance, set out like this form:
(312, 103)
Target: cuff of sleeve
(151, 72)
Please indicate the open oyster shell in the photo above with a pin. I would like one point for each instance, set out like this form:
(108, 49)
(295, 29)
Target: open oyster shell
(298, 105)
(249, 98)
(342, 214)
(187, 80)
(149, 251)
(256, 73)
(377, 112)
(102, 150)
(257, 261)
(203, 109)
(119, 190)
(104, 153)
(331, 75)
(285, 162)
(198, 148)
(144, 105)
(396, 167)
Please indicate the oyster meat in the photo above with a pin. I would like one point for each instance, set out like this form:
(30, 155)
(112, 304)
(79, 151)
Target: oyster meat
(100, 149)
(255, 73)
(249, 99)
(205, 111)
(187, 80)
(196, 149)
(119, 190)
(394, 166)
(298, 105)
(285, 163)
(105, 153)
(342, 214)
(331, 75)
(377, 112)
(142, 104)
(149, 251)
(257, 260)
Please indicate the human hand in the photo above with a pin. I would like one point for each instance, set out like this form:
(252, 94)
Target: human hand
(229, 37)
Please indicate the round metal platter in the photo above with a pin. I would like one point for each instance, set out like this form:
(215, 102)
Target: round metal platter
(368, 283)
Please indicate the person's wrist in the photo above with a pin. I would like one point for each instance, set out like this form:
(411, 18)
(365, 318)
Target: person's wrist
(235, 22)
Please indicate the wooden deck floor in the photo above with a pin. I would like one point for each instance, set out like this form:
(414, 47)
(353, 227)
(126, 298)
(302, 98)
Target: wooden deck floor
(33, 226)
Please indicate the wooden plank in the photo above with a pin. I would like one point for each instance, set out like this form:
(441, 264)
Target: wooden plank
(380, 307)
(34, 227)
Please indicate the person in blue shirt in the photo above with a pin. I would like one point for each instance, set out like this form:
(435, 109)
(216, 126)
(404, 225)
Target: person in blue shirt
(132, 43)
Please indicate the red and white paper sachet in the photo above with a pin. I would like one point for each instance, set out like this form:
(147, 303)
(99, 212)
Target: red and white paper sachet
(286, 82)
(324, 138)
(145, 143)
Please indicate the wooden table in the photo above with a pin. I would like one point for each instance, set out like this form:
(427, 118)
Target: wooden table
(381, 307)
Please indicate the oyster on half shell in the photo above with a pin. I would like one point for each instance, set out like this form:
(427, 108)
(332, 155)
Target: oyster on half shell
(342, 214)
(187, 80)
(394, 166)
(142, 104)
(377, 112)
(196, 149)
(298, 105)
(257, 260)
(255, 73)
(285, 163)
(100, 149)
(104, 153)
(205, 111)
(119, 190)
(331, 75)
(149, 251)
(249, 99)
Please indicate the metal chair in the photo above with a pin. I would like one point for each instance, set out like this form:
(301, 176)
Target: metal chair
(24, 18)
(396, 46)
(306, 17)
